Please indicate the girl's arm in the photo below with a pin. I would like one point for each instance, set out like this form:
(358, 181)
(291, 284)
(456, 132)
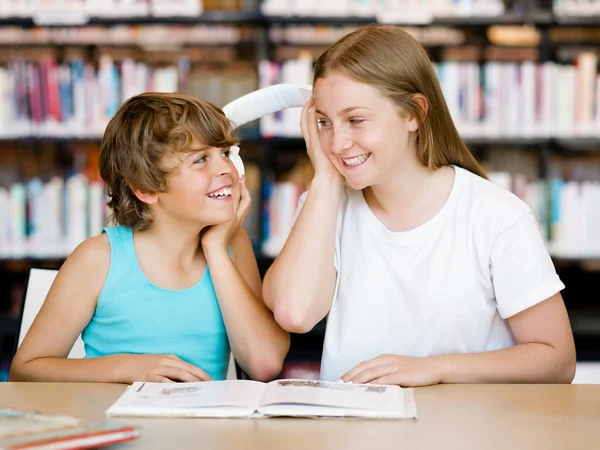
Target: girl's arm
(66, 311)
(299, 286)
(522, 272)
(544, 353)
(258, 343)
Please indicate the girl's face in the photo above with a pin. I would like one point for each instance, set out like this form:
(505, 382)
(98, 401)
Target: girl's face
(361, 131)
(200, 189)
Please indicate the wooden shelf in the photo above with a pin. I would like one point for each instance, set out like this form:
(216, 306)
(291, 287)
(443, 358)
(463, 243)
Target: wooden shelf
(207, 18)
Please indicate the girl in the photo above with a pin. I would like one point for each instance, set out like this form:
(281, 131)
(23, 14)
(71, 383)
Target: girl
(427, 272)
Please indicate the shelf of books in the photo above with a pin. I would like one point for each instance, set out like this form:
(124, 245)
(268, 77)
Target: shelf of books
(526, 99)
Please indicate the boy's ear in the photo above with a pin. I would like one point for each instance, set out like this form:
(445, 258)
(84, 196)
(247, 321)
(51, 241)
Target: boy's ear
(147, 197)
(412, 123)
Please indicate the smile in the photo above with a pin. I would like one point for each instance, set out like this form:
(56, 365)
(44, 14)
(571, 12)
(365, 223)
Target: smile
(356, 160)
(220, 194)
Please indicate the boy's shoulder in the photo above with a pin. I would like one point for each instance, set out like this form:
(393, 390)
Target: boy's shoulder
(94, 251)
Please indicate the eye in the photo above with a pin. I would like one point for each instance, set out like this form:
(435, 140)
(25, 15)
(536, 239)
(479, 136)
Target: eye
(226, 153)
(356, 121)
(323, 123)
(200, 160)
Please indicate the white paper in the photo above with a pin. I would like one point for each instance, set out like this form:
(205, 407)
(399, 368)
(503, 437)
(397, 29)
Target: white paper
(229, 398)
(309, 397)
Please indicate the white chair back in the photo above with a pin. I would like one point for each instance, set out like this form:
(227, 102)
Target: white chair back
(36, 290)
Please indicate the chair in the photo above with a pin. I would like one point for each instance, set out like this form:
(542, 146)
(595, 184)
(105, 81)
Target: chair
(38, 284)
(587, 372)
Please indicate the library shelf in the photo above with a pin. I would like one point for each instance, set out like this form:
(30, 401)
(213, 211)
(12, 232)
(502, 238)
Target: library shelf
(539, 18)
(536, 18)
(247, 135)
(578, 143)
(577, 21)
(208, 17)
(573, 143)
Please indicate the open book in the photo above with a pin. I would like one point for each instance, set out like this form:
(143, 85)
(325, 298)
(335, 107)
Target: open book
(244, 398)
(29, 430)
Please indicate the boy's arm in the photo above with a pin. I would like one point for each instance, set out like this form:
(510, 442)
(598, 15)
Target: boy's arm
(258, 343)
(66, 311)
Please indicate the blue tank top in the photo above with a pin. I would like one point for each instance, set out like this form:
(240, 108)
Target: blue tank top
(135, 316)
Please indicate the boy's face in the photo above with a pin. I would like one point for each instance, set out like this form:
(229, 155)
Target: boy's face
(199, 190)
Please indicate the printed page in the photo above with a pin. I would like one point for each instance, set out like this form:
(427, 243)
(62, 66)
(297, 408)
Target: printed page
(229, 398)
(293, 397)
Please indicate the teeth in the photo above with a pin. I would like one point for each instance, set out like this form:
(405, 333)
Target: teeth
(356, 160)
(225, 192)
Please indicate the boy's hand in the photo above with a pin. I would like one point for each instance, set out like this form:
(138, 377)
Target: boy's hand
(156, 368)
(219, 236)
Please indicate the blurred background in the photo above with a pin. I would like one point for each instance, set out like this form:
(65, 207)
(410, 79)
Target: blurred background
(521, 79)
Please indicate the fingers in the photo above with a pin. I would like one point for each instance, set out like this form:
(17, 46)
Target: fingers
(236, 195)
(177, 374)
(161, 379)
(352, 373)
(194, 371)
(366, 365)
(313, 127)
(245, 200)
(199, 373)
(308, 121)
(373, 373)
(389, 379)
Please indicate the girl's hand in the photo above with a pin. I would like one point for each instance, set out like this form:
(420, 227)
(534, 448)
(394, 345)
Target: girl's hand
(219, 236)
(310, 131)
(396, 369)
(157, 368)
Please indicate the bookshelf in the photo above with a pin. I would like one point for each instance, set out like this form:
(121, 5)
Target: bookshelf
(244, 39)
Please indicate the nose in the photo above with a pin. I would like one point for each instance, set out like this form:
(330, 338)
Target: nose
(340, 141)
(223, 166)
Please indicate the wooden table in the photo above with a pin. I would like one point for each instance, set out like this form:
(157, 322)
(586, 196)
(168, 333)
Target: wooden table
(462, 417)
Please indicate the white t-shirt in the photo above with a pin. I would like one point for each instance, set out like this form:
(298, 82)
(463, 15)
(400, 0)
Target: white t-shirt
(447, 286)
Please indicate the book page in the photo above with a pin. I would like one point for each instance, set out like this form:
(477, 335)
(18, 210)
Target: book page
(232, 397)
(334, 395)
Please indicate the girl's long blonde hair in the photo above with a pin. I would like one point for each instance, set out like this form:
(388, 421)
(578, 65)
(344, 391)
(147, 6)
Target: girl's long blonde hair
(391, 60)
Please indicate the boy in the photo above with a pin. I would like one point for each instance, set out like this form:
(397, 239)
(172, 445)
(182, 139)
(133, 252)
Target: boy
(168, 292)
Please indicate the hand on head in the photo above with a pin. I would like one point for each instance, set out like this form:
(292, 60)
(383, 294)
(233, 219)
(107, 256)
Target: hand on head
(310, 131)
(221, 235)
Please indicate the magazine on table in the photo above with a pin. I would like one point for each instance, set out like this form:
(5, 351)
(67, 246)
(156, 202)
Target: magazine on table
(32, 430)
(245, 398)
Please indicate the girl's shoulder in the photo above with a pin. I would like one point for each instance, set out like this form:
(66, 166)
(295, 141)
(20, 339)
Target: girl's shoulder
(488, 202)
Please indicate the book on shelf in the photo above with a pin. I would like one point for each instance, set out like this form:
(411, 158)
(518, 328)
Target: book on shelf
(390, 11)
(33, 430)
(576, 8)
(246, 398)
(80, 11)
(509, 95)
(76, 98)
